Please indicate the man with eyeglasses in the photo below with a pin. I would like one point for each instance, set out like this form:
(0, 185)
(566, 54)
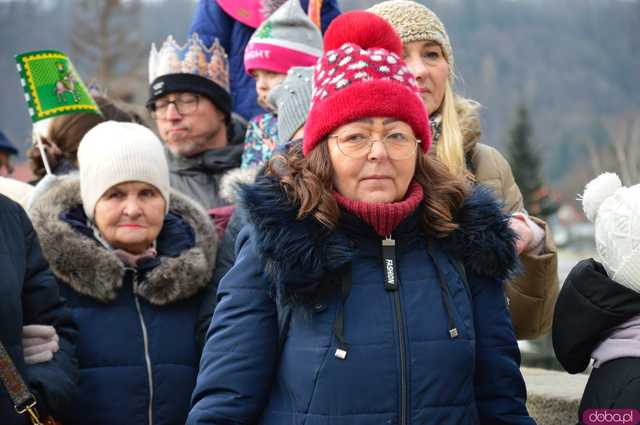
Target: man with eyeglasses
(191, 105)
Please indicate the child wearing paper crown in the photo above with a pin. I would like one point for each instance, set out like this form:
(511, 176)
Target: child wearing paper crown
(287, 39)
(597, 315)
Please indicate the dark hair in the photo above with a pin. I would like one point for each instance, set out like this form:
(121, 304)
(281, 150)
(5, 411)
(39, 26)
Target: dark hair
(308, 183)
(67, 131)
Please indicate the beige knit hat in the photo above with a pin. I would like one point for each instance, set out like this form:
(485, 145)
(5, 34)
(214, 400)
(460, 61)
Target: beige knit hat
(117, 152)
(415, 22)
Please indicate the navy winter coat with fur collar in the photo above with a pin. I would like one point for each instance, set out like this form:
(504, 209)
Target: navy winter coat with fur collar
(402, 366)
(137, 347)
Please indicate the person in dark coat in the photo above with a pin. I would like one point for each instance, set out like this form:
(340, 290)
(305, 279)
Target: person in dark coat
(590, 304)
(136, 266)
(225, 21)
(29, 296)
(368, 285)
(597, 315)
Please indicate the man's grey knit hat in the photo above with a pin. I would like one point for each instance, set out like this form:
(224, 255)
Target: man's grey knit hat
(292, 98)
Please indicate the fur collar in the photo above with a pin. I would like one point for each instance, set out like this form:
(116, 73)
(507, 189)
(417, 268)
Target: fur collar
(297, 254)
(93, 270)
(233, 179)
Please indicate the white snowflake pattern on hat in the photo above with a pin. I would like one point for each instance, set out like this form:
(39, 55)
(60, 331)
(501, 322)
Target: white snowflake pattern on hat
(345, 60)
(362, 75)
(337, 78)
(342, 83)
(358, 65)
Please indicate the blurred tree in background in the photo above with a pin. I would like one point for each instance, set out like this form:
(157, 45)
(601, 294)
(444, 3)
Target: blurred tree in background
(525, 163)
(106, 41)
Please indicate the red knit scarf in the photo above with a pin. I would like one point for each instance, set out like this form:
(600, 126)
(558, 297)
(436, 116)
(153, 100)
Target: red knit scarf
(384, 217)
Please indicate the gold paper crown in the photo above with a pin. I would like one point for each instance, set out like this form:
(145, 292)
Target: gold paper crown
(192, 58)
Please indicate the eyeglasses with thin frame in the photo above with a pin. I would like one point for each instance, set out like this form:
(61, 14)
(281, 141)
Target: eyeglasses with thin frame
(398, 145)
(185, 104)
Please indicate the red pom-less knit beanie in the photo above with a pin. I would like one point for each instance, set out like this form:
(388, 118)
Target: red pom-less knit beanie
(362, 75)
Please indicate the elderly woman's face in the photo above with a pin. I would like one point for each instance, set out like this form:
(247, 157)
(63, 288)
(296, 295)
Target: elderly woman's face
(373, 172)
(129, 216)
(428, 64)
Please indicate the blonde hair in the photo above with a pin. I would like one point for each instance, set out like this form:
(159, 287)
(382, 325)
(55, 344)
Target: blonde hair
(460, 122)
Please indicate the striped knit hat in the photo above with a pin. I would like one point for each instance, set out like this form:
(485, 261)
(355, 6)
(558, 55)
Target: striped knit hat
(362, 75)
(288, 38)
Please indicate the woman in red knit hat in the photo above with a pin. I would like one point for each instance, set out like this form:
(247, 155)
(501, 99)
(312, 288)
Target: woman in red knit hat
(368, 282)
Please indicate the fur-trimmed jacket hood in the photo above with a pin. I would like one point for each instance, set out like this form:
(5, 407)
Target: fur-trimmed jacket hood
(187, 247)
(297, 254)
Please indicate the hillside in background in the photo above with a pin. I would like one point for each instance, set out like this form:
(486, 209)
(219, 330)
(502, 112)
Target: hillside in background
(574, 63)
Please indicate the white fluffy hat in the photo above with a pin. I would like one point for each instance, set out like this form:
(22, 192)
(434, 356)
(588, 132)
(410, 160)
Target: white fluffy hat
(117, 152)
(615, 211)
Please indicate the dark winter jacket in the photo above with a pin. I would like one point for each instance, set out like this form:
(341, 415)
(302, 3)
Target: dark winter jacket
(199, 176)
(137, 346)
(404, 365)
(211, 21)
(614, 385)
(589, 306)
(29, 295)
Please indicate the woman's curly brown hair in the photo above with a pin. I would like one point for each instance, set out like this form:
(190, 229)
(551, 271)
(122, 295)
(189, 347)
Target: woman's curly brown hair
(308, 183)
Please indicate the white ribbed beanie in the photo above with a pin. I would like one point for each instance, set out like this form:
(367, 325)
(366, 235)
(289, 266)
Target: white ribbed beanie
(117, 152)
(615, 211)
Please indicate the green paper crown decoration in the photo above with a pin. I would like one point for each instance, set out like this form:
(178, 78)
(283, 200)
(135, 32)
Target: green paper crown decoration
(52, 86)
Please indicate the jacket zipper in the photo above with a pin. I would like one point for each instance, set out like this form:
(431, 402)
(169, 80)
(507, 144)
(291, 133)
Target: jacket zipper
(145, 337)
(391, 284)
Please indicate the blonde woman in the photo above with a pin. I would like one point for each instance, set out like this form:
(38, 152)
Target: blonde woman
(455, 127)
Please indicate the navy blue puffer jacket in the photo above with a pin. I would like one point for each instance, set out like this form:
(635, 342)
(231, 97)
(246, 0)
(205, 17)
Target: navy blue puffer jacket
(28, 296)
(403, 365)
(137, 343)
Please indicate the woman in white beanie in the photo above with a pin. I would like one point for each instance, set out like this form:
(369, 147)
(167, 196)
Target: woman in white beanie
(135, 261)
(455, 126)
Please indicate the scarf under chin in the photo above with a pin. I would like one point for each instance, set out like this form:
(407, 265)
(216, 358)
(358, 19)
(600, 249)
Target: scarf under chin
(129, 259)
(435, 121)
(384, 217)
(133, 260)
